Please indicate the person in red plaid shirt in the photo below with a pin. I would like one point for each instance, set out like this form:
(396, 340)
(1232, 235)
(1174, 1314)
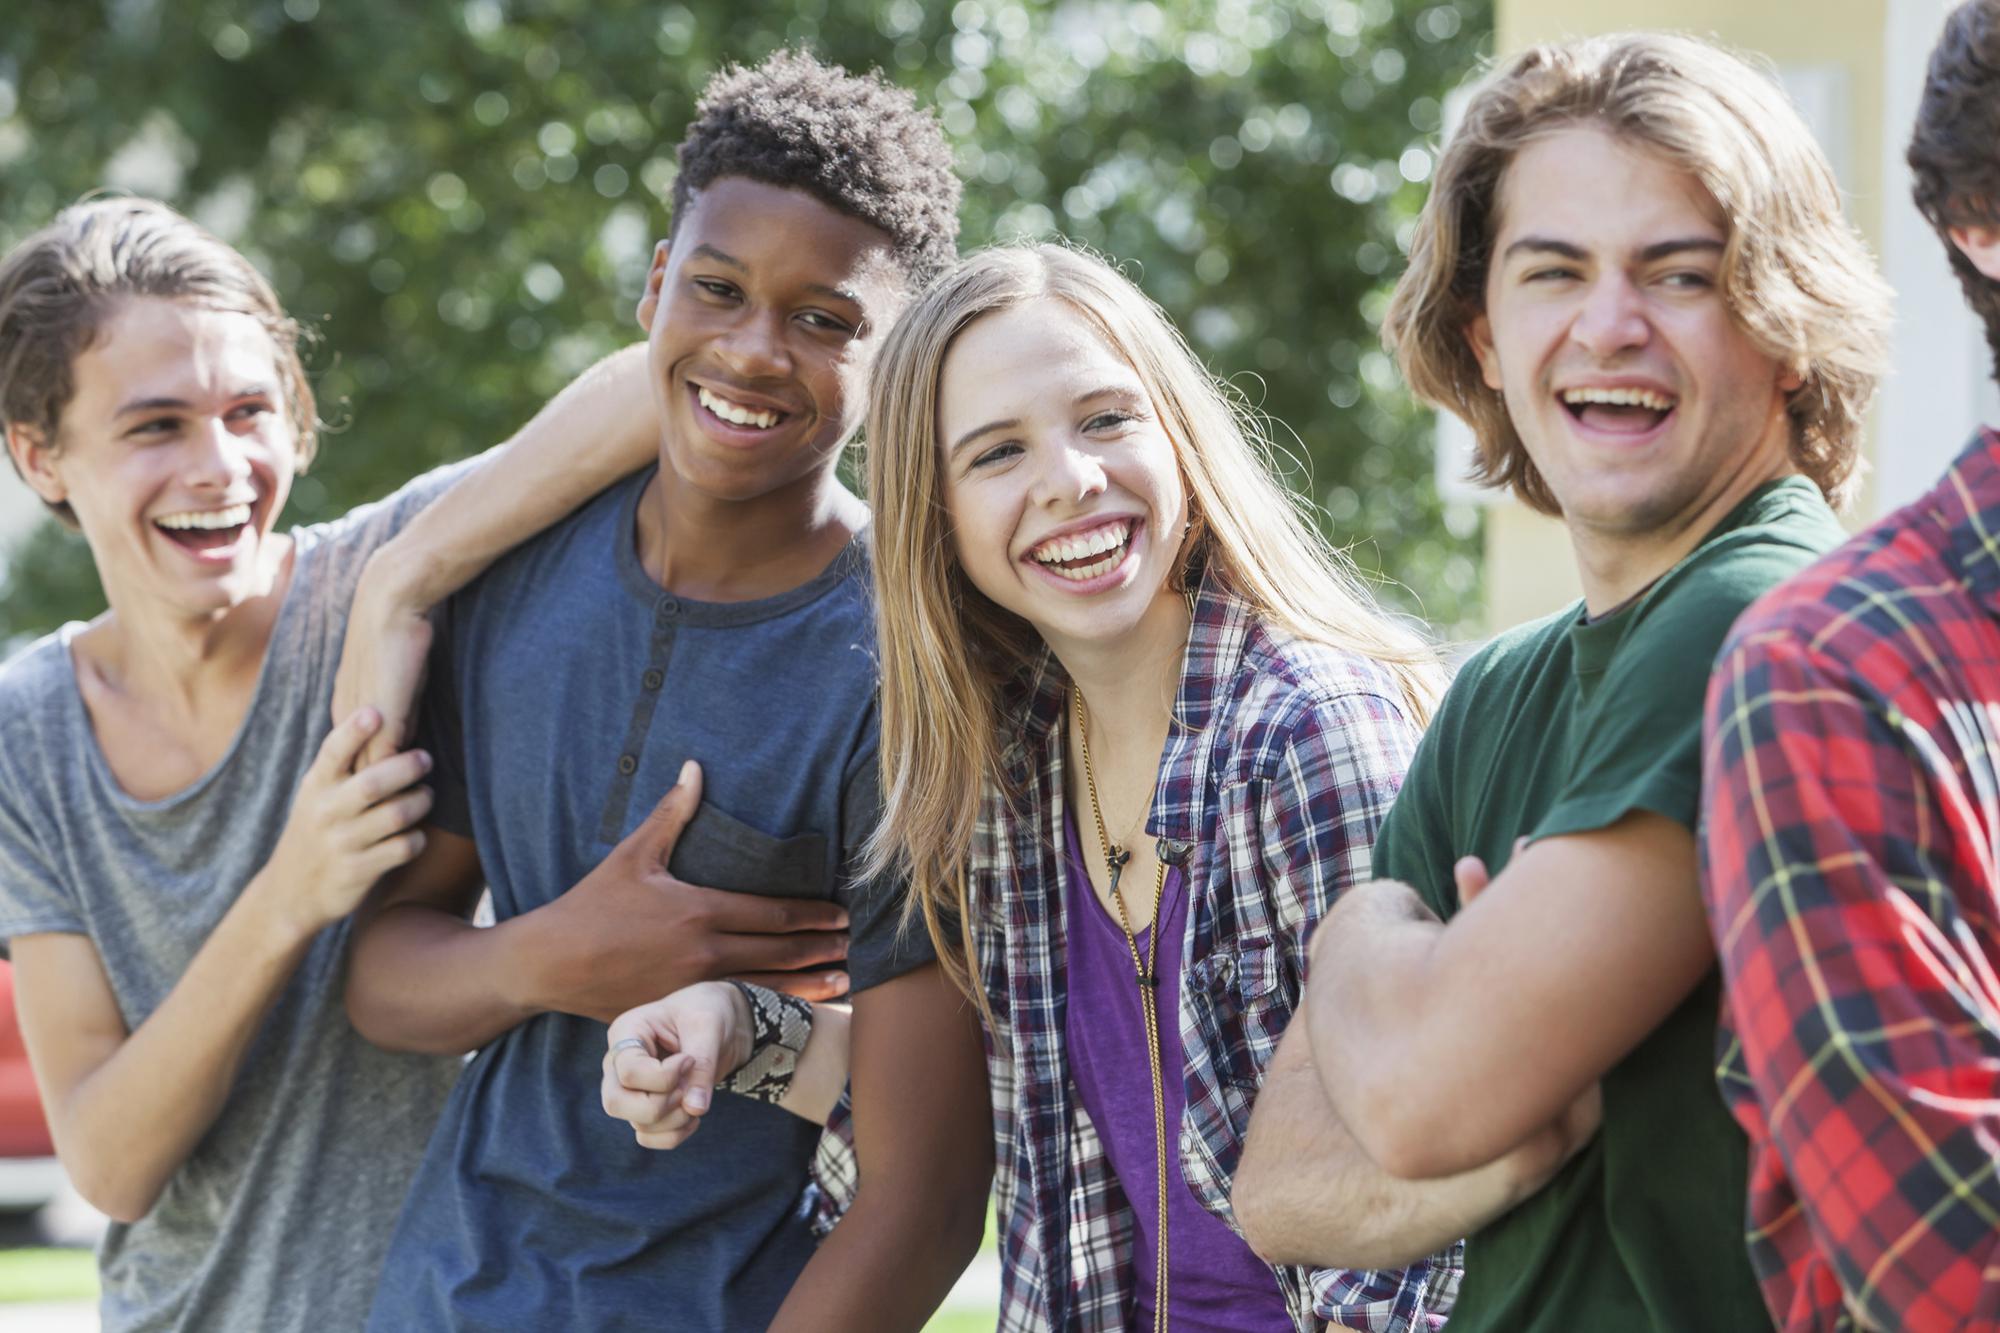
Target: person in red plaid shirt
(1852, 812)
(1633, 277)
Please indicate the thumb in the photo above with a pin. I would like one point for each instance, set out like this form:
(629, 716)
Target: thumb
(660, 830)
(1469, 873)
(701, 1045)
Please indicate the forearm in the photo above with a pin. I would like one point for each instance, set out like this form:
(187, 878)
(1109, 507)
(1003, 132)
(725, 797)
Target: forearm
(1306, 1192)
(1363, 1011)
(600, 428)
(125, 1127)
(426, 980)
(892, 1260)
(924, 1151)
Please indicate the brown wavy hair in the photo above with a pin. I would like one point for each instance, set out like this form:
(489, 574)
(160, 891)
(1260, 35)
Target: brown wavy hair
(1953, 148)
(1795, 273)
(60, 286)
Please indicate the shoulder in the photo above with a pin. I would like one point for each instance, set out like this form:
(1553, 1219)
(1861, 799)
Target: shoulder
(1299, 703)
(32, 683)
(1866, 592)
(1503, 666)
(1782, 533)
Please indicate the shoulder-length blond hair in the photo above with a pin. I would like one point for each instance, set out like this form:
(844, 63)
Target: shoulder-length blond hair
(1795, 272)
(949, 656)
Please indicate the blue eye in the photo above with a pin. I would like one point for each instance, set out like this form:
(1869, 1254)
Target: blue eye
(1108, 420)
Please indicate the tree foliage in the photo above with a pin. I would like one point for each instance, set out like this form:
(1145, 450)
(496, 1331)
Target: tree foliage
(461, 198)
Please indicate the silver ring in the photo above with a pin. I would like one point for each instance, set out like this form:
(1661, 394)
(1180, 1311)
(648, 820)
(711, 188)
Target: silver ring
(633, 1043)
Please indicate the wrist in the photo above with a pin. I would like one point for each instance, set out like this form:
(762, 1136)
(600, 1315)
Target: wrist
(278, 910)
(403, 577)
(780, 1027)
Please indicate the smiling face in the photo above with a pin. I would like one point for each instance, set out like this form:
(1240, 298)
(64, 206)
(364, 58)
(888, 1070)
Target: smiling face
(175, 454)
(1642, 402)
(1060, 482)
(750, 312)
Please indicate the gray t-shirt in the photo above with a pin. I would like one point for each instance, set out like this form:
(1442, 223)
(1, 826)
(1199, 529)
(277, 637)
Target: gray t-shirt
(567, 689)
(279, 1218)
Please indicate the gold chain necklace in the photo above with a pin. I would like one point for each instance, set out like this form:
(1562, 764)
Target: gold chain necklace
(1115, 859)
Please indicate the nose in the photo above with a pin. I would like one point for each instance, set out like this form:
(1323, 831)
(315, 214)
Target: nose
(1070, 473)
(1612, 318)
(754, 346)
(216, 456)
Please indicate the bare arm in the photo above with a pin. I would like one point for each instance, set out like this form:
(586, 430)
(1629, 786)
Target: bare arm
(423, 978)
(127, 1107)
(1306, 1193)
(924, 1144)
(1424, 1020)
(600, 428)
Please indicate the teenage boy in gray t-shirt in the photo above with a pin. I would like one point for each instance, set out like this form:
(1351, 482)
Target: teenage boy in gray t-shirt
(182, 829)
(713, 612)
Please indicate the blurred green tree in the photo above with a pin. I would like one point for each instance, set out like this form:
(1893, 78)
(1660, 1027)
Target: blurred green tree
(461, 199)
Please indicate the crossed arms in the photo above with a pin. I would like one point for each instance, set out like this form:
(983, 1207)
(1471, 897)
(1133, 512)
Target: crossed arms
(1408, 1022)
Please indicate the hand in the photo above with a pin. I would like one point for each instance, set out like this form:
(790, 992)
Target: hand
(1536, 1159)
(382, 660)
(630, 931)
(691, 1038)
(350, 824)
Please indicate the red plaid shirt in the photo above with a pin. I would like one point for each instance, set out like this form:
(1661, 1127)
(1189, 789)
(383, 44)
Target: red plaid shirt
(1852, 858)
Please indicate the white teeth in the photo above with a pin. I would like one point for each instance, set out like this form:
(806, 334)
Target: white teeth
(735, 413)
(207, 520)
(1111, 539)
(1645, 398)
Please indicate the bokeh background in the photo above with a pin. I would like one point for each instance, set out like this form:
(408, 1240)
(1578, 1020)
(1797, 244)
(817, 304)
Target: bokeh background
(460, 199)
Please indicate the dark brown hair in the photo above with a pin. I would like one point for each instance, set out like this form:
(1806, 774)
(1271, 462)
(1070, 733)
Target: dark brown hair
(1795, 273)
(1955, 149)
(60, 286)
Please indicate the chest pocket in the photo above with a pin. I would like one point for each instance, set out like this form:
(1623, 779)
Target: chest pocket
(1239, 1007)
(719, 851)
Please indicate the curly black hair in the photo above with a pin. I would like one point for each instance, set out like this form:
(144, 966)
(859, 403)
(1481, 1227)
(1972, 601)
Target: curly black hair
(1951, 151)
(856, 142)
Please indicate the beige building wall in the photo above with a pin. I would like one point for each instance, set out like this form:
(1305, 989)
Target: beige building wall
(1855, 67)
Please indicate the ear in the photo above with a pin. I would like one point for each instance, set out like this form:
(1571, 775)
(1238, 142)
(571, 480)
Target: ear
(1791, 381)
(1479, 335)
(34, 458)
(1981, 245)
(656, 277)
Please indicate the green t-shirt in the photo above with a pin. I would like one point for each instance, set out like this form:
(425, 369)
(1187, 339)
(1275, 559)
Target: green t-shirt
(1563, 726)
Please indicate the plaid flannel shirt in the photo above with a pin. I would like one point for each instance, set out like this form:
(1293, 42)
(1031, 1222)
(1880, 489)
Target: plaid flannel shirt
(1852, 857)
(1282, 759)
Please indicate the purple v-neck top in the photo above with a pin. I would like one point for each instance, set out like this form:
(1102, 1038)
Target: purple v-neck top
(1218, 1284)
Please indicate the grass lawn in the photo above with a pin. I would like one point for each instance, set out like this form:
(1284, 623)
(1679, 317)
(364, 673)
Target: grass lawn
(48, 1275)
(963, 1321)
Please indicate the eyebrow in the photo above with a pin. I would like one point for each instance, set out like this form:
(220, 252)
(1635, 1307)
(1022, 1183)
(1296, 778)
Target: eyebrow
(1658, 250)
(708, 251)
(986, 429)
(181, 404)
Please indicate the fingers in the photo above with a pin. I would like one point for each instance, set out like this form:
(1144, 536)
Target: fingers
(702, 1036)
(1469, 873)
(377, 781)
(815, 986)
(658, 1109)
(756, 914)
(393, 816)
(736, 954)
(660, 830)
(342, 745)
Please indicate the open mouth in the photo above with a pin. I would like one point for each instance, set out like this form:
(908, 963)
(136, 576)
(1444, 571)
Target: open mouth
(742, 416)
(1627, 411)
(1079, 556)
(205, 529)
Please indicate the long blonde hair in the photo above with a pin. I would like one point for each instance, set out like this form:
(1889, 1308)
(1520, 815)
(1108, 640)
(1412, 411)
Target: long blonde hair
(949, 655)
(1795, 272)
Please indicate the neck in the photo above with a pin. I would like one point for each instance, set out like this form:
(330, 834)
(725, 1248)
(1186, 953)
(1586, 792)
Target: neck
(1128, 684)
(1617, 566)
(716, 550)
(172, 660)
